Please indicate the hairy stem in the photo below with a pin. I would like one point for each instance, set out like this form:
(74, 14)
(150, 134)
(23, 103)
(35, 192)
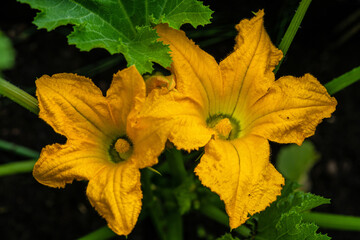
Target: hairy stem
(19, 96)
(292, 29)
(333, 221)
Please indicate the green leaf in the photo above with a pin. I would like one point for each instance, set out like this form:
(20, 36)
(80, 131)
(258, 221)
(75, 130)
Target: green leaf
(227, 236)
(294, 161)
(179, 12)
(7, 54)
(283, 220)
(290, 227)
(121, 26)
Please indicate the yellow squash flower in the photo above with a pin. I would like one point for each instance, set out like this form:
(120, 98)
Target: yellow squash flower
(100, 146)
(233, 109)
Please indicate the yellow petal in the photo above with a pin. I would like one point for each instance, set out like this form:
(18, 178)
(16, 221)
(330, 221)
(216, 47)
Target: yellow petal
(196, 72)
(115, 193)
(92, 123)
(167, 115)
(240, 173)
(61, 164)
(127, 90)
(290, 111)
(75, 107)
(247, 72)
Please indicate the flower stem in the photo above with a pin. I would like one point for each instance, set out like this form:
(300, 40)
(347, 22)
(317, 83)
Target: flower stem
(219, 216)
(101, 233)
(174, 226)
(16, 167)
(292, 29)
(343, 81)
(19, 96)
(175, 160)
(20, 150)
(333, 221)
(150, 204)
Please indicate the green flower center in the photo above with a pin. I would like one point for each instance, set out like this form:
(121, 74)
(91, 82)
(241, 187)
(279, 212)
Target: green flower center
(226, 126)
(120, 150)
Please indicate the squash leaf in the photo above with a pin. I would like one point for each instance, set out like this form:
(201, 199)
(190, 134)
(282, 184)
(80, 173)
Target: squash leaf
(283, 220)
(121, 26)
(7, 53)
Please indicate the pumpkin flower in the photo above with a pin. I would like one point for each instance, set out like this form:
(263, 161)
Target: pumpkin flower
(100, 146)
(233, 109)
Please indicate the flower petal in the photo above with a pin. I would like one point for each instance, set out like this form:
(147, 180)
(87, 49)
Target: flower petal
(165, 116)
(75, 107)
(116, 194)
(247, 72)
(240, 173)
(61, 164)
(127, 90)
(196, 73)
(290, 111)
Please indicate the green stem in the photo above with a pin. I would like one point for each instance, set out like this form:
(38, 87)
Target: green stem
(101, 233)
(175, 160)
(343, 81)
(292, 29)
(219, 216)
(333, 221)
(150, 204)
(19, 96)
(100, 66)
(23, 151)
(174, 226)
(16, 167)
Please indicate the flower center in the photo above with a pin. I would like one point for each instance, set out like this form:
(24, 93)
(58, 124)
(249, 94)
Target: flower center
(223, 127)
(120, 150)
(122, 146)
(227, 128)
(159, 81)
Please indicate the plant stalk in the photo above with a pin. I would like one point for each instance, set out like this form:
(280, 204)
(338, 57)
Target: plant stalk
(174, 226)
(20, 150)
(219, 216)
(16, 167)
(292, 29)
(343, 81)
(333, 221)
(175, 160)
(19, 96)
(150, 204)
(101, 233)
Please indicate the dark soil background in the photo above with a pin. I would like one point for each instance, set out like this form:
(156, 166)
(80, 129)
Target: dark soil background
(326, 45)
